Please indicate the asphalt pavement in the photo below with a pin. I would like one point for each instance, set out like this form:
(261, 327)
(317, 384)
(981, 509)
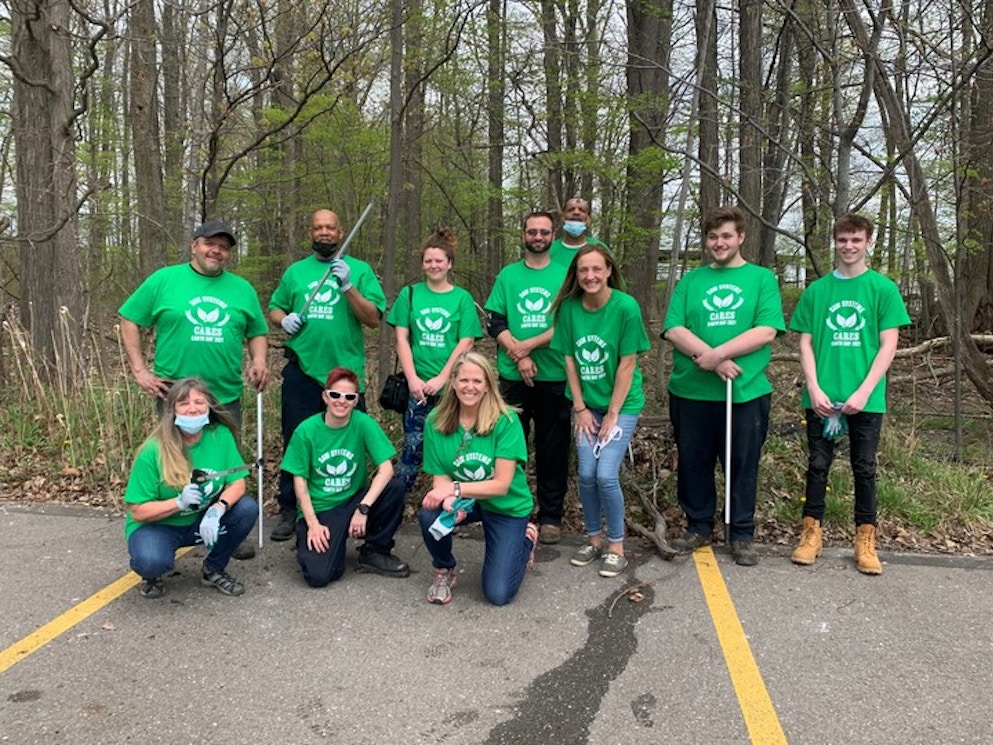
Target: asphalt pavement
(906, 657)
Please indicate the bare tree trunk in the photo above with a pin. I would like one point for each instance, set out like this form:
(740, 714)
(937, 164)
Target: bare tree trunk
(149, 188)
(495, 125)
(709, 145)
(52, 280)
(411, 223)
(175, 41)
(554, 196)
(750, 124)
(395, 186)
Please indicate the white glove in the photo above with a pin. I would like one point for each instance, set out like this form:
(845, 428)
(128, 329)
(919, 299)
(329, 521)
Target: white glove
(343, 273)
(210, 526)
(291, 323)
(189, 499)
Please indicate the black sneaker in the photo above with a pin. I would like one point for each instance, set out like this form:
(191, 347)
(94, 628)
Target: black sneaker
(385, 564)
(744, 553)
(245, 551)
(224, 582)
(152, 588)
(286, 528)
(691, 542)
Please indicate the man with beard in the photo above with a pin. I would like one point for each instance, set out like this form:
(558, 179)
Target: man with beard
(532, 377)
(325, 335)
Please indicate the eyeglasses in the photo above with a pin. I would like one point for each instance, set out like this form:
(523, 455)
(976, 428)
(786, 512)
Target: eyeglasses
(335, 395)
(534, 232)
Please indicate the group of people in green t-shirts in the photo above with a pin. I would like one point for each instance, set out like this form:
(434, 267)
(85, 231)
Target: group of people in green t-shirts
(568, 341)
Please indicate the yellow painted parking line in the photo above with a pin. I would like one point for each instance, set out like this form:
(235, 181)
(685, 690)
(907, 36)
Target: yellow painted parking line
(753, 698)
(80, 612)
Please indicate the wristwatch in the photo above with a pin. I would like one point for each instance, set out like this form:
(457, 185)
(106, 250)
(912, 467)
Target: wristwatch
(363, 508)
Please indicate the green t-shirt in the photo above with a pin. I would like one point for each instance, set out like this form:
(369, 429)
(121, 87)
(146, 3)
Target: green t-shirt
(332, 334)
(335, 462)
(844, 318)
(465, 456)
(437, 322)
(717, 305)
(215, 451)
(525, 295)
(563, 254)
(200, 323)
(596, 341)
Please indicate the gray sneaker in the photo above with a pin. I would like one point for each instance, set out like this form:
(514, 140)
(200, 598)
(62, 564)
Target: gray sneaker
(585, 555)
(612, 564)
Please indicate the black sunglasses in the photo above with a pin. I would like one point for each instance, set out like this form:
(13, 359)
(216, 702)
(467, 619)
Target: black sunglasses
(335, 395)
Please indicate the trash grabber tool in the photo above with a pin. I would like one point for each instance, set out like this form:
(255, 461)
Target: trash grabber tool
(258, 453)
(341, 252)
(727, 465)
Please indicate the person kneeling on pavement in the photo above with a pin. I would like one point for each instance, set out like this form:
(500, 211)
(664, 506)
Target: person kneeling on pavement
(328, 457)
(174, 501)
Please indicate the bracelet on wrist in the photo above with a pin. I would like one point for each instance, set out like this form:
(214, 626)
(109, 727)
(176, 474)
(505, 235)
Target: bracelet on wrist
(580, 411)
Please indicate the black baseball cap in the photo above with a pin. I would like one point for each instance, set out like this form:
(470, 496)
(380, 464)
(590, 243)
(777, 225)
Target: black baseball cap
(215, 227)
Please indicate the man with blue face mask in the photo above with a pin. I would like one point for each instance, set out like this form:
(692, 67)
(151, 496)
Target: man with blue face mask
(575, 232)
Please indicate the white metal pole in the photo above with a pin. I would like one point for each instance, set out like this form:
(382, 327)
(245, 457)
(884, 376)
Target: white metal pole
(259, 464)
(727, 465)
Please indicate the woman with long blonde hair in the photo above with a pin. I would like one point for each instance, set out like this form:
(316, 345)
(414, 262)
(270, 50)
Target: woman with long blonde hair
(475, 451)
(173, 499)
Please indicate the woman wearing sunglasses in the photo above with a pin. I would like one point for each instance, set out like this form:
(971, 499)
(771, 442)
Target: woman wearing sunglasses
(474, 448)
(600, 332)
(328, 457)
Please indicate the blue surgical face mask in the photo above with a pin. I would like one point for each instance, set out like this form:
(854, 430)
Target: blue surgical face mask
(575, 228)
(191, 424)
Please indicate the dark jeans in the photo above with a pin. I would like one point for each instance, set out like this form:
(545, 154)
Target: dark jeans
(863, 441)
(153, 545)
(301, 399)
(320, 569)
(506, 554)
(412, 450)
(546, 406)
(698, 427)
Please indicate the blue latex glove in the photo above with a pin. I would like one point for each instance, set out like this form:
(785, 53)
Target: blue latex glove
(835, 424)
(210, 526)
(443, 525)
(343, 273)
(189, 499)
(291, 323)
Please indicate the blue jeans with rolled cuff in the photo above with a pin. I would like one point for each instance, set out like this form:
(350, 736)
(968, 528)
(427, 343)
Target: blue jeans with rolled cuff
(600, 481)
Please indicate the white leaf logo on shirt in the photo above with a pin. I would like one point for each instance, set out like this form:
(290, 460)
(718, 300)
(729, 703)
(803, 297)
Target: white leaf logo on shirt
(535, 306)
(208, 316)
(472, 474)
(723, 302)
(590, 355)
(323, 297)
(846, 323)
(434, 325)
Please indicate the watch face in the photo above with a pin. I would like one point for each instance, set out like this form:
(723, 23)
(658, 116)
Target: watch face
(363, 508)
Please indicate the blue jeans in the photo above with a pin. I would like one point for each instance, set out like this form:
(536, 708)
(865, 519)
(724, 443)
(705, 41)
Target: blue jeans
(600, 481)
(698, 427)
(300, 398)
(863, 441)
(506, 555)
(412, 452)
(320, 569)
(153, 545)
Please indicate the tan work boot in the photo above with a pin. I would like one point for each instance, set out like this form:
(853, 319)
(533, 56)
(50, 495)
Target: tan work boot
(866, 560)
(811, 542)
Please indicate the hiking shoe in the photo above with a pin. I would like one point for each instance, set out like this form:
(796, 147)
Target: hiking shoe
(287, 527)
(691, 542)
(224, 582)
(811, 542)
(386, 564)
(152, 588)
(612, 564)
(866, 560)
(744, 553)
(585, 555)
(245, 551)
(549, 534)
(531, 533)
(440, 592)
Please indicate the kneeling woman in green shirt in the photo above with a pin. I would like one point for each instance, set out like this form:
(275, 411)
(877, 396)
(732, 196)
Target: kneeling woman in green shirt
(474, 449)
(328, 457)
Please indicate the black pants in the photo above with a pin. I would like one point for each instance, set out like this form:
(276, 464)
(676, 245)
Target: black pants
(545, 406)
(320, 569)
(863, 441)
(301, 399)
(699, 430)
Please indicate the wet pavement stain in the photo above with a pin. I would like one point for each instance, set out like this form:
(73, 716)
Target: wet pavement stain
(561, 704)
